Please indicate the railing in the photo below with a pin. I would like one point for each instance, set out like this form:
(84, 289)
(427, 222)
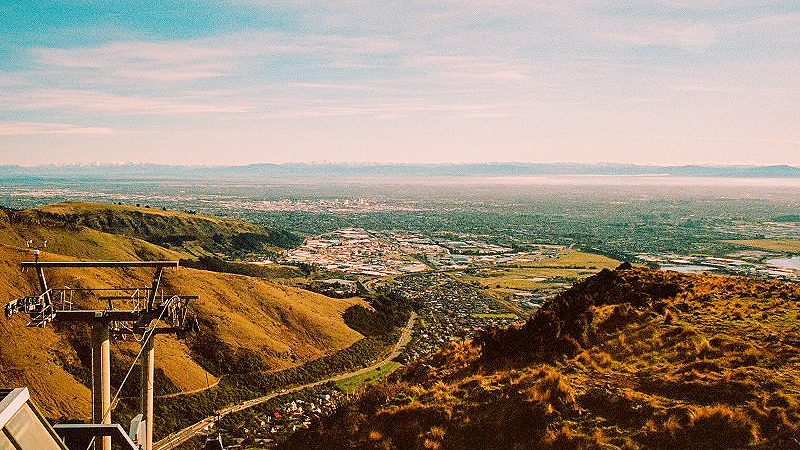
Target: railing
(42, 308)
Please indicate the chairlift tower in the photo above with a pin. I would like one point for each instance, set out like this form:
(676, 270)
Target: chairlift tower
(141, 319)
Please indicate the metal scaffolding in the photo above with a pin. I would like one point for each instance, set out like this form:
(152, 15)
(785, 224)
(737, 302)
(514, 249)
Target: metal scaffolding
(147, 306)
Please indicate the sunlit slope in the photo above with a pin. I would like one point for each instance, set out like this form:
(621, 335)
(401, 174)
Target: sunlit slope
(37, 357)
(246, 323)
(273, 320)
(627, 359)
(54, 360)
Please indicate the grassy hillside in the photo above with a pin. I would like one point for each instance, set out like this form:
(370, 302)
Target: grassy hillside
(17, 228)
(34, 357)
(247, 323)
(627, 359)
(191, 234)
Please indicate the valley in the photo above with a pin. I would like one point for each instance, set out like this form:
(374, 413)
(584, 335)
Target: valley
(301, 307)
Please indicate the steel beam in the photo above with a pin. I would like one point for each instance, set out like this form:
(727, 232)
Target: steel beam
(151, 298)
(128, 297)
(109, 264)
(84, 315)
(43, 285)
(68, 289)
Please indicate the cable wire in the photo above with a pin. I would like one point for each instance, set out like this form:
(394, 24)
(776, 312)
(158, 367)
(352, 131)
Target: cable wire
(149, 336)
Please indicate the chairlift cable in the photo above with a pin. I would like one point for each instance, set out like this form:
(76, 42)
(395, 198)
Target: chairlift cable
(152, 332)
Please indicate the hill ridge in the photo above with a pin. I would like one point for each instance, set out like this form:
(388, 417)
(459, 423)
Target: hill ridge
(188, 233)
(255, 323)
(630, 358)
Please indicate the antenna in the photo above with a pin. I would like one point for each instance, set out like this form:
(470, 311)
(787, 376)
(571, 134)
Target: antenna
(111, 322)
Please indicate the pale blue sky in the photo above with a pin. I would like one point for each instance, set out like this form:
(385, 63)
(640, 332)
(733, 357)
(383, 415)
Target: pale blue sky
(247, 81)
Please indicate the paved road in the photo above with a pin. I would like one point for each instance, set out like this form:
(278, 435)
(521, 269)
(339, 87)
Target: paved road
(179, 437)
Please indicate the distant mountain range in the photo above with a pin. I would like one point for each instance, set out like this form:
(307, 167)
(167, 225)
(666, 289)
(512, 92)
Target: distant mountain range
(260, 171)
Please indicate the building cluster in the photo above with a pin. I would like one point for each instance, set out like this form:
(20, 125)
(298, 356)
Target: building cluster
(449, 310)
(766, 230)
(533, 300)
(274, 425)
(748, 263)
(386, 253)
(480, 256)
(336, 205)
(358, 251)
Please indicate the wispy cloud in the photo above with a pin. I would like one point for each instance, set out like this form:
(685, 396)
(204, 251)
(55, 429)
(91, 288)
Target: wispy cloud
(335, 87)
(39, 128)
(690, 37)
(99, 101)
(470, 67)
(703, 88)
(687, 30)
(148, 61)
(749, 140)
(379, 109)
(515, 73)
(198, 59)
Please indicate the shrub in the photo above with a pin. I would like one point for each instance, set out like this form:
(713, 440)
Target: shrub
(716, 427)
(553, 390)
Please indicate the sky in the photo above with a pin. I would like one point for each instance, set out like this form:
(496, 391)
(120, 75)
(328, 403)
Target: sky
(232, 82)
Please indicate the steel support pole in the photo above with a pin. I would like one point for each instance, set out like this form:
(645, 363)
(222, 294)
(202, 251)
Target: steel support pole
(43, 285)
(154, 288)
(148, 375)
(101, 374)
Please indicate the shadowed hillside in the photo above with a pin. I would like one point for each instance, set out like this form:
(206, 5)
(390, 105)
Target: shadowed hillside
(192, 234)
(631, 358)
(246, 323)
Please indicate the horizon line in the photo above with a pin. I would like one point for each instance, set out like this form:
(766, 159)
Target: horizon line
(401, 164)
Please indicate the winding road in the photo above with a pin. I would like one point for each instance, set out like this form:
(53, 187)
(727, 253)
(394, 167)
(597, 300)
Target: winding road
(179, 437)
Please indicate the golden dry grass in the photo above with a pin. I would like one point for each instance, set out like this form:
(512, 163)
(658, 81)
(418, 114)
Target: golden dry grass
(790, 246)
(267, 317)
(628, 359)
(32, 357)
(83, 243)
(90, 208)
(245, 313)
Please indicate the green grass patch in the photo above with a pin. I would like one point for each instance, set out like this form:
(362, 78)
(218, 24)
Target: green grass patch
(570, 266)
(495, 316)
(350, 384)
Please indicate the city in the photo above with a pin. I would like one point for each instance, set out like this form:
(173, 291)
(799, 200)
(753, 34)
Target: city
(386, 253)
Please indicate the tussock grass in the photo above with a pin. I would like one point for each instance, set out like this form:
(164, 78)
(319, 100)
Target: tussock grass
(629, 359)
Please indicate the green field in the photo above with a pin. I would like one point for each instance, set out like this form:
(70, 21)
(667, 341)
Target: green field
(570, 266)
(495, 316)
(350, 384)
(788, 246)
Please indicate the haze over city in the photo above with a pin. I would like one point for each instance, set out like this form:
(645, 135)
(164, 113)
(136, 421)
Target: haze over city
(240, 82)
